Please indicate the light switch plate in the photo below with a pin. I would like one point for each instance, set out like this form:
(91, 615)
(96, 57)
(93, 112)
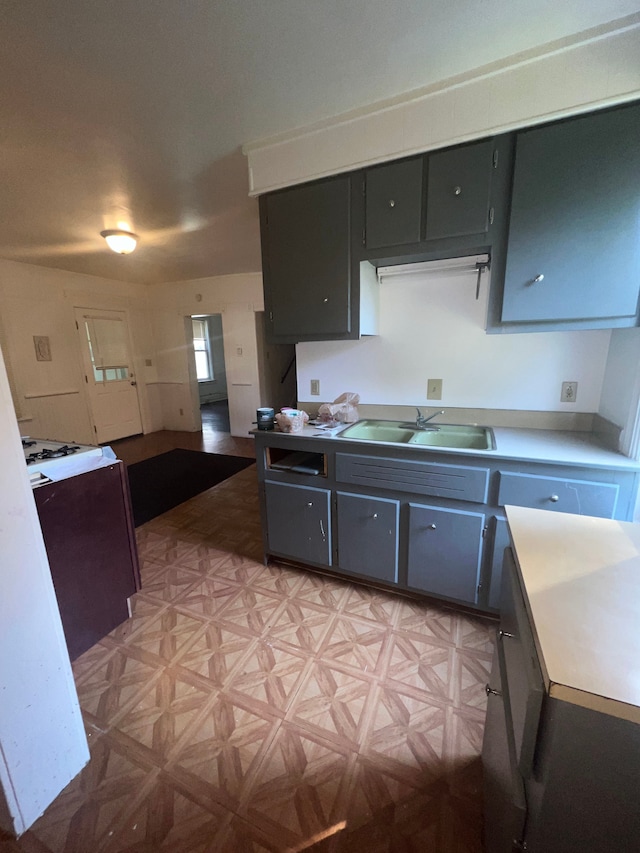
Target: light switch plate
(434, 389)
(315, 387)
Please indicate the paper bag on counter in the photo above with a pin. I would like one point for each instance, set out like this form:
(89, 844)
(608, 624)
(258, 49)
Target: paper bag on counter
(344, 409)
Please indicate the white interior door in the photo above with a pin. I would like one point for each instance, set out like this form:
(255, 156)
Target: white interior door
(109, 374)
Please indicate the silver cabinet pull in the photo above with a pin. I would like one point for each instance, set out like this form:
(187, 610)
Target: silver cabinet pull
(392, 203)
(457, 190)
(324, 535)
(502, 634)
(310, 503)
(326, 299)
(538, 278)
(491, 692)
(554, 499)
(432, 527)
(375, 515)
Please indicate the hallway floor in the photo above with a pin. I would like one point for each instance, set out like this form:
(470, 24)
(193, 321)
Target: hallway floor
(245, 709)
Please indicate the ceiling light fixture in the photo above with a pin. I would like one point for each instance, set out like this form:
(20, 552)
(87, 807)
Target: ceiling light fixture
(122, 242)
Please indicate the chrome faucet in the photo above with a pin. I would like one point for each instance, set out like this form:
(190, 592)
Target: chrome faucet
(421, 421)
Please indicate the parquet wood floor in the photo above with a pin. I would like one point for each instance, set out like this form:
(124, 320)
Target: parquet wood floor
(246, 709)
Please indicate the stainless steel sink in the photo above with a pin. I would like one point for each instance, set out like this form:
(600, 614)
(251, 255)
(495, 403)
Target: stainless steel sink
(456, 436)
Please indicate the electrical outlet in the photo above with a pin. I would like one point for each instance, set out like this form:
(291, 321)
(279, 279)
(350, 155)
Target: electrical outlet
(315, 387)
(434, 389)
(569, 392)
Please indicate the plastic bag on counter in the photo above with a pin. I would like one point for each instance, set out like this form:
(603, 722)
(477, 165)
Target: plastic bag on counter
(343, 410)
(291, 420)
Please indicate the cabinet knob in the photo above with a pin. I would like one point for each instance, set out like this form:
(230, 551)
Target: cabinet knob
(554, 499)
(310, 503)
(491, 692)
(502, 634)
(326, 299)
(375, 515)
(538, 278)
(457, 190)
(392, 203)
(432, 527)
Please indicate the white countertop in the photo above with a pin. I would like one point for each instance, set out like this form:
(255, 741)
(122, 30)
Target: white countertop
(581, 579)
(528, 445)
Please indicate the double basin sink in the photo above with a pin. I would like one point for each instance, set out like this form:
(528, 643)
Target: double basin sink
(460, 437)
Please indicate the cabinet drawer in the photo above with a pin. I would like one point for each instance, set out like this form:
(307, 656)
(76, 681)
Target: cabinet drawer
(522, 670)
(463, 483)
(581, 497)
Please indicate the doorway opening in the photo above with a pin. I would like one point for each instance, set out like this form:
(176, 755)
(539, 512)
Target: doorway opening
(211, 374)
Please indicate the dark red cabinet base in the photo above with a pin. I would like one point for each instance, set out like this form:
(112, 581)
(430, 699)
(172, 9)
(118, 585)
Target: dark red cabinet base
(90, 540)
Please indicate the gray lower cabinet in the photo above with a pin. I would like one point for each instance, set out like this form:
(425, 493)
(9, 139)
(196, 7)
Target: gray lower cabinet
(558, 777)
(444, 551)
(298, 522)
(422, 522)
(368, 536)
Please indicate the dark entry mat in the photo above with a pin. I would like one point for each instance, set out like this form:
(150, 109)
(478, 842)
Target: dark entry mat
(162, 482)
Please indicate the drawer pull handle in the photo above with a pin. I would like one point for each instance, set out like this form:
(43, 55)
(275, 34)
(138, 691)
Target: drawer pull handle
(375, 515)
(392, 202)
(491, 692)
(432, 527)
(457, 190)
(310, 503)
(554, 498)
(502, 634)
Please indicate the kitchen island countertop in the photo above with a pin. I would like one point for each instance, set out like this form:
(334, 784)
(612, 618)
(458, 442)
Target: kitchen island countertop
(581, 581)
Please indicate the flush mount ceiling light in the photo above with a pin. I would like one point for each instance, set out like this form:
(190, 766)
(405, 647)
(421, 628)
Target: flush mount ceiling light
(122, 242)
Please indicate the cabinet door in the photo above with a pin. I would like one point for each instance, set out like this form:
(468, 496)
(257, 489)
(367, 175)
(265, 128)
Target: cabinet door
(298, 522)
(368, 536)
(500, 542)
(505, 807)
(88, 533)
(458, 187)
(394, 203)
(444, 551)
(574, 242)
(307, 260)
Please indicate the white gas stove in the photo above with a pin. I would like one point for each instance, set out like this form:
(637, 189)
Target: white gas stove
(44, 458)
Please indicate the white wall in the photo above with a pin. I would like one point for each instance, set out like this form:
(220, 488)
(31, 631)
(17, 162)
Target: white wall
(236, 298)
(431, 326)
(621, 386)
(51, 396)
(42, 740)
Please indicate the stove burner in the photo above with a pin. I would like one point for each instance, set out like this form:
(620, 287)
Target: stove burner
(52, 453)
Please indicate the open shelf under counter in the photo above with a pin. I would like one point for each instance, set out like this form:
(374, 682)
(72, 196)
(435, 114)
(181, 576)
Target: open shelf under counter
(296, 461)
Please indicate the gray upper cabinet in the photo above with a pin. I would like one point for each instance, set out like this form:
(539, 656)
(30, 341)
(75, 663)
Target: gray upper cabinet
(394, 203)
(574, 242)
(306, 254)
(458, 190)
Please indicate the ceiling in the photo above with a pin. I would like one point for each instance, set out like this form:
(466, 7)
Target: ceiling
(133, 111)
